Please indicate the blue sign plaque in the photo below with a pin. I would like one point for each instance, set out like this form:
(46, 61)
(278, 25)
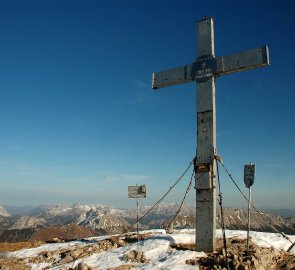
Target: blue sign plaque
(249, 175)
(204, 68)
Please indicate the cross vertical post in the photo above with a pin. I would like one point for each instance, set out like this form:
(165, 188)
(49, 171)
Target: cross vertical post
(205, 177)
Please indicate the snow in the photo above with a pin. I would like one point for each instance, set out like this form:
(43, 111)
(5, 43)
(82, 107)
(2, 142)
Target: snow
(33, 252)
(156, 249)
(261, 239)
(40, 266)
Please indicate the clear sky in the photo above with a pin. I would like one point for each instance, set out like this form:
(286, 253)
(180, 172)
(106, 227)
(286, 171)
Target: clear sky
(80, 122)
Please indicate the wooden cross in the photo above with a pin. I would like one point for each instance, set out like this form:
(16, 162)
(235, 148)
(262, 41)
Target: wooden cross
(203, 71)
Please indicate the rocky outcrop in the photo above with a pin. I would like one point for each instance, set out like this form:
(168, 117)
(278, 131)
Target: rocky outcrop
(238, 257)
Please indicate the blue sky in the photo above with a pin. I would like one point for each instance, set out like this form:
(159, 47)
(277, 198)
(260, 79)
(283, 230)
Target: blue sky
(80, 122)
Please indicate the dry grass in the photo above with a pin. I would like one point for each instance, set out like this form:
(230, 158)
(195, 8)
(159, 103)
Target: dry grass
(17, 246)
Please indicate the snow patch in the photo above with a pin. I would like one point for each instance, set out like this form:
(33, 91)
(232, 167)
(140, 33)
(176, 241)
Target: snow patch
(155, 248)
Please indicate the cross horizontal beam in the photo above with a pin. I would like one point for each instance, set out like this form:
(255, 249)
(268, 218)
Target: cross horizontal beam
(225, 65)
(242, 61)
(172, 77)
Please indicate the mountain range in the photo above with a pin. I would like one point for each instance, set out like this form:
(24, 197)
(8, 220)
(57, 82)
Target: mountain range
(105, 220)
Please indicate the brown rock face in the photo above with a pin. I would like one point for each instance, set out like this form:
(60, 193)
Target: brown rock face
(66, 232)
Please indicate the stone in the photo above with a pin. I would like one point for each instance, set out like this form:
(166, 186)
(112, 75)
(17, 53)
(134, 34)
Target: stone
(76, 253)
(82, 266)
(135, 256)
(122, 267)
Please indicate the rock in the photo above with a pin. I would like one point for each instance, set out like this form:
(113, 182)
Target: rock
(122, 267)
(257, 258)
(82, 266)
(135, 256)
(76, 253)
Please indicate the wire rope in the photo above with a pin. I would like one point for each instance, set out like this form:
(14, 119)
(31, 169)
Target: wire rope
(163, 197)
(252, 205)
(222, 217)
(186, 192)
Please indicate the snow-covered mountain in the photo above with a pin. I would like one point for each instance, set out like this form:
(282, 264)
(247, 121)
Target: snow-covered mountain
(3, 212)
(104, 221)
(108, 220)
(27, 222)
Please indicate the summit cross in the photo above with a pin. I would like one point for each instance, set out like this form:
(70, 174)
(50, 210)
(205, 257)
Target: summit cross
(204, 71)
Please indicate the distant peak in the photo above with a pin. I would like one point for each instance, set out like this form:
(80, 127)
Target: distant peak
(3, 212)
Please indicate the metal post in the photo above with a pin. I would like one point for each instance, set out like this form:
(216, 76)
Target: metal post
(137, 192)
(248, 232)
(249, 177)
(137, 221)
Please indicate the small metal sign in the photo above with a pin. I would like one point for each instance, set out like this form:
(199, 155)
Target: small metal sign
(204, 68)
(136, 192)
(249, 175)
